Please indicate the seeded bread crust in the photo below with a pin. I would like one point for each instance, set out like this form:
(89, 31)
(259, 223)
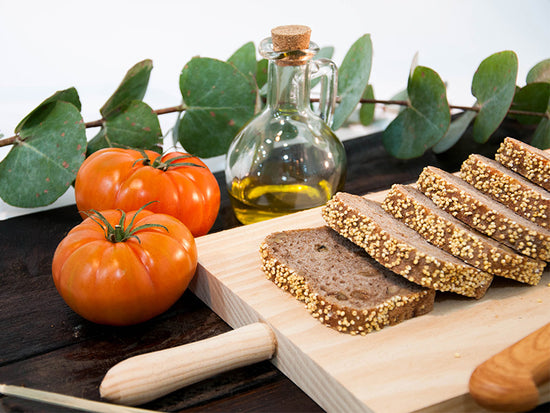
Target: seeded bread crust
(339, 283)
(448, 233)
(486, 215)
(507, 187)
(401, 249)
(526, 160)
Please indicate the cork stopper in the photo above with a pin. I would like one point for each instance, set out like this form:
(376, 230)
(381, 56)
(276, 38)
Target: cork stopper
(293, 37)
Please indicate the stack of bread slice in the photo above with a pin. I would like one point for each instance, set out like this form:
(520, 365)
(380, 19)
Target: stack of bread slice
(381, 263)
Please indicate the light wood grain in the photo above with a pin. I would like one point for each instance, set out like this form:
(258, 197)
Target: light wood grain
(63, 400)
(508, 380)
(421, 364)
(143, 378)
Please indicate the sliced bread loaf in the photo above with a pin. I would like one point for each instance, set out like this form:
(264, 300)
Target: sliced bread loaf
(401, 249)
(509, 188)
(443, 230)
(526, 160)
(488, 216)
(340, 284)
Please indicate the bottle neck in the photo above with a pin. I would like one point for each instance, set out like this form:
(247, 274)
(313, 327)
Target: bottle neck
(288, 87)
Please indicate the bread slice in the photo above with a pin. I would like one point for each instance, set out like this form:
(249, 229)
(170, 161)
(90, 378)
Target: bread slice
(526, 160)
(488, 216)
(340, 284)
(443, 230)
(401, 249)
(509, 188)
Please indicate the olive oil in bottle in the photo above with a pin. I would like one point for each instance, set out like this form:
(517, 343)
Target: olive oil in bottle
(287, 159)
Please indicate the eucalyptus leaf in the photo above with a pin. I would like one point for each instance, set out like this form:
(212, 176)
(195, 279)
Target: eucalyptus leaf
(353, 77)
(43, 163)
(424, 122)
(67, 95)
(136, 127)
(244, 59)
(401, 95)
(541, 137)
(261, 75)
(219, 101)
(493, 85)
(540, 72)
(456, 129)
(414, 63)
(533, 97)
(323, 53)
(175, 128)
(132, 87)
(366, 111)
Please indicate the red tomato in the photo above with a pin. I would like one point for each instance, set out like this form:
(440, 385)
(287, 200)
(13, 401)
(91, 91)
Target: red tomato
(126, 179)
(123, 282)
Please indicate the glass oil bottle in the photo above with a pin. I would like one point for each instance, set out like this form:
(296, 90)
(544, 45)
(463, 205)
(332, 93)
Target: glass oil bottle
(287, 158)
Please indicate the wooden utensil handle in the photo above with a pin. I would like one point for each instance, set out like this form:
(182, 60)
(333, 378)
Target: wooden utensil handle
(508, 380)
(146, 377)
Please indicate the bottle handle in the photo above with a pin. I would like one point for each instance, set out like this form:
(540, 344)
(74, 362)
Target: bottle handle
(327, 70)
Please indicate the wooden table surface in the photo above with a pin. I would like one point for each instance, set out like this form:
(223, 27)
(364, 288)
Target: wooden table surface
(44, 345)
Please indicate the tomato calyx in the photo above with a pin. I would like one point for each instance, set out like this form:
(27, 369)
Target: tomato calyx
(158, 163)
(119, 233)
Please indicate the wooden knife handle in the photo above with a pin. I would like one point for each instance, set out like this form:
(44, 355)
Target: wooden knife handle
(146, 377)
(508, 380)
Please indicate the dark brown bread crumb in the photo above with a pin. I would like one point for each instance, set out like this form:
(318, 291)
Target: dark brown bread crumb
(400, 248)
(448, 233)
(526, 160)
(507, 187)
(486, 215)
(340, 284)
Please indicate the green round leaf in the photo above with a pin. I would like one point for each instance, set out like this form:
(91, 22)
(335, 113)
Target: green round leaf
(323, 53)
(132, 87)
(261, 73)
(68, 95)
(42, 165)
(136, 127)
(540, 72)
(533, 97)
(244, 59)
(424, 122)
(493, 85)
(353, 77)
(366, 111)
(541, 137)
(219, 100)
(455, 131)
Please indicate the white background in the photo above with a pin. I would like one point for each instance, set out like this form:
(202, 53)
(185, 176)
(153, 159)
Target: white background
(52, 45)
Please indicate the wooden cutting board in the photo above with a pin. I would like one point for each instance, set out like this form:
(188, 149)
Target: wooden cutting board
(421, 364)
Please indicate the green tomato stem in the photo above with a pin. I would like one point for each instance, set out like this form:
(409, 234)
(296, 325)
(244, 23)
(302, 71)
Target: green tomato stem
(119, 233)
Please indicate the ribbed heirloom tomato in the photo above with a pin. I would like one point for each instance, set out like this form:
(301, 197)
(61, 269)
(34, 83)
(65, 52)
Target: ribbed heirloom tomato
(126, 179)
(120, 269)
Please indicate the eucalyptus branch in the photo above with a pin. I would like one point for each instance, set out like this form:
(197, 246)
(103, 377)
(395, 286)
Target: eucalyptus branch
(463, 108)
(9, 141)
(180, 108)
(222, 95)
(171, 109)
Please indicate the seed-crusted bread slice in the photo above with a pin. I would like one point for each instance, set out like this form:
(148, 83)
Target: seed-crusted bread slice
(509, 188)
(401, 249)
(526, 160)
(488, 216)
(443, 230)
(340, 284)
